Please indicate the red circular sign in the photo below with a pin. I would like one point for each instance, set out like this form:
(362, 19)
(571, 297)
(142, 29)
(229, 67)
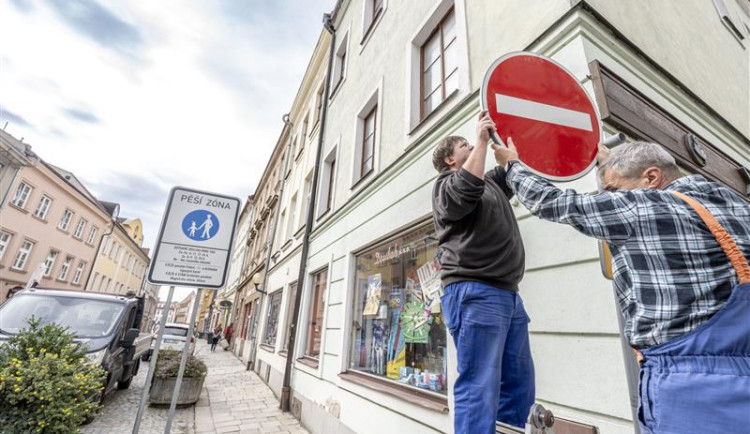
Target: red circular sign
(553, 122)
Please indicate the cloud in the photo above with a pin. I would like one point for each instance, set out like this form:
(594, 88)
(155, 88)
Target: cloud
(81, 115)
(139, 197)
(13, 119)
(23, 5)
(100, 25)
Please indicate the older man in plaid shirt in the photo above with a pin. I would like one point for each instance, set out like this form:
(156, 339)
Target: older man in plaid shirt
(686, 306)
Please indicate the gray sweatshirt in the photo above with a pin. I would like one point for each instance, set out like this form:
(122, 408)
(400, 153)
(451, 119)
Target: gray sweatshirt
(476, 228)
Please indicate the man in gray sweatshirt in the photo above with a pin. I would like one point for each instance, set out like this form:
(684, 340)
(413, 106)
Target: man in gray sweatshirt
(482, 259)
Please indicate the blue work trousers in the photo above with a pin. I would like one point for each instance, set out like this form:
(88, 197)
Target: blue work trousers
(495, 371)
(699, 383)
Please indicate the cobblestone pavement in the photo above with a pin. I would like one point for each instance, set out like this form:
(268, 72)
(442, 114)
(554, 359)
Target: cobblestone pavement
(238, 401)
(120, 407)
(233, 401)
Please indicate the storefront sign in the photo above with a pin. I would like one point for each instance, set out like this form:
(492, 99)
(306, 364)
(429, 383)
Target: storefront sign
(393, 252)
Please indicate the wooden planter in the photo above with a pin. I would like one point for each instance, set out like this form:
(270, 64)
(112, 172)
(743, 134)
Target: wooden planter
(162, 388)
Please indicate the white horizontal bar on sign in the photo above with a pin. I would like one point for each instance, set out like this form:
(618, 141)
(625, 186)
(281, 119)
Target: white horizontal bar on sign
(542, 112)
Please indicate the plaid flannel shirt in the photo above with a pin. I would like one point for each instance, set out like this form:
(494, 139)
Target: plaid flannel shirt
(670, 273)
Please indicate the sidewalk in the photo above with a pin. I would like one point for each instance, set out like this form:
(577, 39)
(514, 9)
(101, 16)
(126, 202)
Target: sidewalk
(237, 401)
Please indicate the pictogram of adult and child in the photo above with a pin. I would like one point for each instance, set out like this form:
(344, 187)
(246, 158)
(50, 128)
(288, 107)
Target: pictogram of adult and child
(205, 230)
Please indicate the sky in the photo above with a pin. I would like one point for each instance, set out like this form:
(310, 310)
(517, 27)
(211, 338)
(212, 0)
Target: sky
(137, 97)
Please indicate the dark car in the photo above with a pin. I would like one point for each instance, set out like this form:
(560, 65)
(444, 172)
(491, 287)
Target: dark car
(107, 324)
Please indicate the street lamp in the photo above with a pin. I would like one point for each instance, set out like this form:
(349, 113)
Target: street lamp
(256, 282)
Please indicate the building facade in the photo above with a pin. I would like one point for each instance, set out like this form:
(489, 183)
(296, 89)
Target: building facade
(228, 296)
(121, 263)
(50, 228)
(407, 74)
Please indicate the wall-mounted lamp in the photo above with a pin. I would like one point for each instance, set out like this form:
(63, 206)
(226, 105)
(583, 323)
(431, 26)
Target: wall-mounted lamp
(256, 282)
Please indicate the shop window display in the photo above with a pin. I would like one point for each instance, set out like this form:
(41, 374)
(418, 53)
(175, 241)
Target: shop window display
(398, 331)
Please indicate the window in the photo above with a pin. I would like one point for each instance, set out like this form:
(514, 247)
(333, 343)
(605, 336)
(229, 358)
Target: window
(23, 255)
(65, 220)
(289, 313)
(730, 16)
(339, 65)
(439, 65)
(368, 143)
(65, 268)
(305, 203)
(318, 105)
(49, 263)
(327, 182)
(79, 228)
(79, 272)
(22, 195)
(119, 251)
(92, 235)
(372, 10)
(112, 249)
(43, 208)
(95, 281)
(272, 321)
(292, 222)
(315, 320)
(397, 329)
(305, 125)
(4, 241)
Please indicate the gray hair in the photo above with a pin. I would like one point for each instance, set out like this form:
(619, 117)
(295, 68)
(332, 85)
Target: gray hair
(632, 159)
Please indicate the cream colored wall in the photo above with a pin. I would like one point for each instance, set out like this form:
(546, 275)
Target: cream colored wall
(46, 235)
(688, 39)
(119, 270)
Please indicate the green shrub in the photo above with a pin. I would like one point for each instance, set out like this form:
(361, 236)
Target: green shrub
(168, 364)
(46, 382)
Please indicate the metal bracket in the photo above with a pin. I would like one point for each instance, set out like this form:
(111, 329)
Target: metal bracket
(541, 420)
(696, 149)
(745, 173)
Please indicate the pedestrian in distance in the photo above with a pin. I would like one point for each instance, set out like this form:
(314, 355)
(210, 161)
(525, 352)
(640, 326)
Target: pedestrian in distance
(679, 250)
(481, 254)
(216, 336)
(228, 332)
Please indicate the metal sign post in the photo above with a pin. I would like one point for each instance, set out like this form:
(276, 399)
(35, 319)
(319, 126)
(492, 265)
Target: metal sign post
(183, 361)
(193, 249)
(152, 362)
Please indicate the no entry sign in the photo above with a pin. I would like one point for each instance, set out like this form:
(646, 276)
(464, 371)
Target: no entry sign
(553, 122)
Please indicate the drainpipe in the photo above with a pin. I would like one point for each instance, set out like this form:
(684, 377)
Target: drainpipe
(286, 386)
(271, 237)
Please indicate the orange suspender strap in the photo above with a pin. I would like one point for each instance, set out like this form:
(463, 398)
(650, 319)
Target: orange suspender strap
(725, 240)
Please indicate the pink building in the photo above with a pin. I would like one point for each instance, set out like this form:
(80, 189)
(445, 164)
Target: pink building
(50, 224)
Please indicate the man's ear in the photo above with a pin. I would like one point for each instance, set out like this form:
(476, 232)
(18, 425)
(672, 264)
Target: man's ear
(653, 177)
(449, 161)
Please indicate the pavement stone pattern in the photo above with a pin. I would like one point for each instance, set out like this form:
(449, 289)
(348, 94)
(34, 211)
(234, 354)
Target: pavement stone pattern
(233, 400)
(120, 407)
(238, 401)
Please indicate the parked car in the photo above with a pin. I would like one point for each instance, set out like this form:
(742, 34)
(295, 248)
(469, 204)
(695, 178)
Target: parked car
(175, 336)
(107, 324)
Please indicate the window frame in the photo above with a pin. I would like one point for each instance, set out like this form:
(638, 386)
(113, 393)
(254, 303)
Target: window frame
(26, 255)
(78, 273)
(70, 215)
(65, 268)
(437, 32)
(291, 297)
(415, 122)
(374, 101)
(82, 226)
(4, 243)
(339, 72)
(317, 304)
(273, 297)
(18, 194)
(48, 268)
(45, 212)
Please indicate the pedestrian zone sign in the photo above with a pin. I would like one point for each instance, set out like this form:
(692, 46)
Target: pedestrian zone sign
(195, 239)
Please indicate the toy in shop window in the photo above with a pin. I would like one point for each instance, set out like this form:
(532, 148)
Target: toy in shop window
(373, 294)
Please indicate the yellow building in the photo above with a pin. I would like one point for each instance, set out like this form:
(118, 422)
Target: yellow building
(121, 263)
